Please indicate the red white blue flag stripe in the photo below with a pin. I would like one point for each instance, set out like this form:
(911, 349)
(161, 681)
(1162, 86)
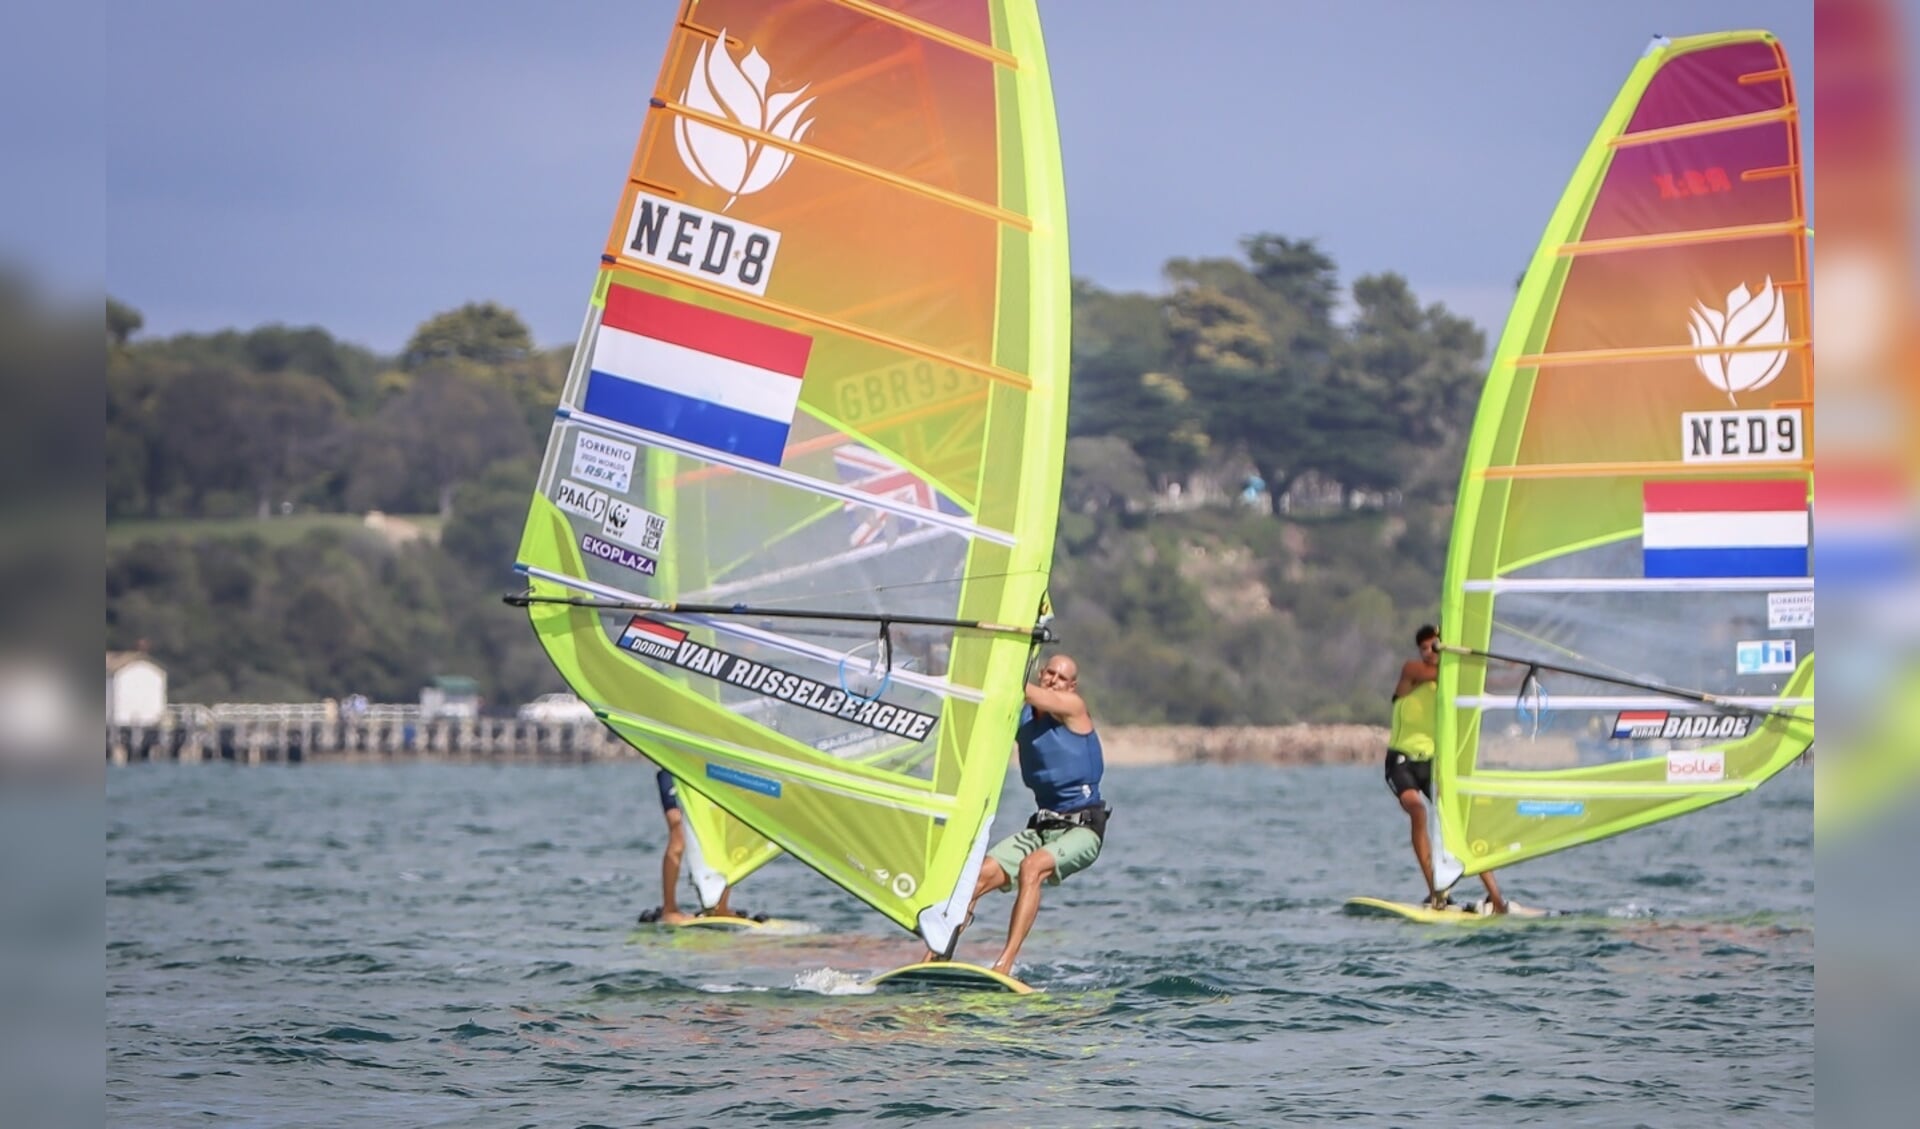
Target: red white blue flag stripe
(1755, 527)
(1864, 525)
(701, 376)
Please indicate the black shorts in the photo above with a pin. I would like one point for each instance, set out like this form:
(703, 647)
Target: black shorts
(669, 791)
(1403, 773)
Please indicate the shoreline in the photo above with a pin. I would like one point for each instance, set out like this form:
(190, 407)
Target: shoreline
(492, 741)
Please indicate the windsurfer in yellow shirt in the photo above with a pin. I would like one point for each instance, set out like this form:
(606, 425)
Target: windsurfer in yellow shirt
(1410, 748)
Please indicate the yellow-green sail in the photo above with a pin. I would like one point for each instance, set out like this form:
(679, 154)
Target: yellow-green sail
(1628, 594)
(794, 525)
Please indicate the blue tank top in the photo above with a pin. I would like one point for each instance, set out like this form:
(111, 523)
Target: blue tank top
(1062, 767)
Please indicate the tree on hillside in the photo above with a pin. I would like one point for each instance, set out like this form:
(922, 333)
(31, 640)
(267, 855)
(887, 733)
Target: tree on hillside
(1118, 340)
(291, 428)
(484, 532)
(134, 474)
(446, 427)
(1298, 272)
(1421, 369)
(1108, 323)
(348, 369)
(1104, 474)
(481, 332)
(225, 430)
(1209, 329)
(123, 321)
(1263, 403)
(535, 385)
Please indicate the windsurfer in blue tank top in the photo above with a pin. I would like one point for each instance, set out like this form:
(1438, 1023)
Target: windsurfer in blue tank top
(1060, 760)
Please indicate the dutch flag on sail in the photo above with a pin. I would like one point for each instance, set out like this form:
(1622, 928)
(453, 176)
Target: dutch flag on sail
(1752, 527)
(1864, 525)
(711, 379)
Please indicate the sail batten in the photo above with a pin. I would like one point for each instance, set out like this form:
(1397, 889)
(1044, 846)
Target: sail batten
(759, 635)
(1615, 470)
(799, 482)
(1495, 702)
(1685, 238)
(935, 32)
(905, 184)
(1708, 126)
(1570, 584)
(846, 327)
(1652, 352)
(1627, 603)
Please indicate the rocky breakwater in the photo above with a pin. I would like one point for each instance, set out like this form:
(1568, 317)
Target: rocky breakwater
(1243, 744)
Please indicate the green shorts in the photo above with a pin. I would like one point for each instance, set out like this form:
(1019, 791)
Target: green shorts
(1073, 850)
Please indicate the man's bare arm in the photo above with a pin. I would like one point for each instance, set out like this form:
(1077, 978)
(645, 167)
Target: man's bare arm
(1063, 704)
(1412, 674)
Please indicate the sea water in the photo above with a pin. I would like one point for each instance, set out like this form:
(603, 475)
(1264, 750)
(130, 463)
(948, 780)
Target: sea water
(427, 944)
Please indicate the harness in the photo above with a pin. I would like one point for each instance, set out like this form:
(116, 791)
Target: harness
(1093, 818)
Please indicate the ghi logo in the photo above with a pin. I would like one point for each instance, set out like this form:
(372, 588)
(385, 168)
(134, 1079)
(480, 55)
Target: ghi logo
(739, 166)
(1750, 321)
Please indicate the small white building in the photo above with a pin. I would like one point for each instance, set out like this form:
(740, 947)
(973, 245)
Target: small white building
(136, 689)
(452, 696)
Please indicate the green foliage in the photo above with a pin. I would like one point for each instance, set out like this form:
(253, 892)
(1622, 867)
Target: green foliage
(1242, 360)
(1104, 476)
(448, 426)
(1221, 615)
(349, 370)
(123, 321)
(1210, 329)
(484, 533)
(481, 332)
(275, 531)
(334, 613)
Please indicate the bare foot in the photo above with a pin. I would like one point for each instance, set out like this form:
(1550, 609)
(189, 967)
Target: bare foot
(929, 957)
(1003, 968)
(674, 917)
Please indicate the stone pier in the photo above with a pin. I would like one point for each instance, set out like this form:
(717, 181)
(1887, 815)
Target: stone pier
(269, 740)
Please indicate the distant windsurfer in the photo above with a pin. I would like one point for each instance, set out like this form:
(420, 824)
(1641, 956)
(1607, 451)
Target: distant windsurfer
(670, 912)
(1060, 760)
(1410, 748)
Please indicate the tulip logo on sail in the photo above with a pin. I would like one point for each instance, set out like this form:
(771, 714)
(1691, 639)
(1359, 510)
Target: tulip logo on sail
(739, 166)
(1750, 320)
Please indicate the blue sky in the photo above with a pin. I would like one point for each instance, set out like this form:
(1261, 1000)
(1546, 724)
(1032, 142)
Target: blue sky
(365, 164)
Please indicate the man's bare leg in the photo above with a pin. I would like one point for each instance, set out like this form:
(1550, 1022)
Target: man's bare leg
(722, 908)
(1494, 899)
(1416, 809)
(1034, 870)
(992, 876)
(670, 872)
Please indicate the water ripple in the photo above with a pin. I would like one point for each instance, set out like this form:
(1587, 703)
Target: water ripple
(421, 944)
